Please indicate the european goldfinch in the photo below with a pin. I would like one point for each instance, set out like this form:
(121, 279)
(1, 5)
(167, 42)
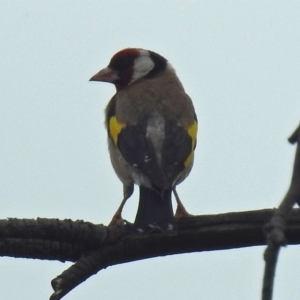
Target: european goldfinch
(152, 127)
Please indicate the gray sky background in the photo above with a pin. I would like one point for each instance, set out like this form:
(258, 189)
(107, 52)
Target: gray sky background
(238, 60)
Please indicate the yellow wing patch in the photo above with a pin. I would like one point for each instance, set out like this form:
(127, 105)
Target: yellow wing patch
(115, 127)
(192, 131)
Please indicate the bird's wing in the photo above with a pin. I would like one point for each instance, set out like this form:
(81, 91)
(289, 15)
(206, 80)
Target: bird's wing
(178, 149)
(138, 150)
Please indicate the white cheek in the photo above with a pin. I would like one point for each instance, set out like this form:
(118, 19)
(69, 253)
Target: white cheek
(142, 66)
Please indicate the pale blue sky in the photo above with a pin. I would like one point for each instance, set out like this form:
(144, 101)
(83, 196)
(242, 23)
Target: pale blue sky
(239, 62)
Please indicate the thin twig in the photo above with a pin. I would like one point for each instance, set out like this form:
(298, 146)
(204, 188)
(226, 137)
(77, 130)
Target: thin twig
(275, 229)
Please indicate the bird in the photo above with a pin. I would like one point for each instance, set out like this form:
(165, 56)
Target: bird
(152, 132)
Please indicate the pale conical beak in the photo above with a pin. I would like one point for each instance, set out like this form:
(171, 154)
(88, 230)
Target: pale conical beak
(105, 75)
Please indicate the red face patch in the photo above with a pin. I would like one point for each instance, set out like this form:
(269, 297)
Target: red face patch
(123, 62)
(124, 58)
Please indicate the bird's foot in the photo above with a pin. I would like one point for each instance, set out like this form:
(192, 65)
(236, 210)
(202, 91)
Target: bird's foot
(117, 220)
(169, 229)
(182, 213)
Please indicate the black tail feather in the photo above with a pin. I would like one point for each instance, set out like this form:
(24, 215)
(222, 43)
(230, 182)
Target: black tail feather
(155, 210)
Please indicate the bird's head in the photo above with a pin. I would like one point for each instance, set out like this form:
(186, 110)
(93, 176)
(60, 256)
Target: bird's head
(129, 65)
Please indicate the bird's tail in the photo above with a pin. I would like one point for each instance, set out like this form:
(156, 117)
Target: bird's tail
(155, 210)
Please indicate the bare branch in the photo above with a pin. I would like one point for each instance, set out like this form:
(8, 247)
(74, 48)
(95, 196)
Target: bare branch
(276, 227)
(95, 247)
(201, 233)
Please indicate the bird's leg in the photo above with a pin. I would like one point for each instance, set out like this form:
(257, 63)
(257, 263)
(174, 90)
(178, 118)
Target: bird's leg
(117, 217)
(181, 212)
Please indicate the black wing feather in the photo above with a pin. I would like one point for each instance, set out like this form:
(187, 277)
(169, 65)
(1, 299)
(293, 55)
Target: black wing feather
(139, 152)
(176, 149)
